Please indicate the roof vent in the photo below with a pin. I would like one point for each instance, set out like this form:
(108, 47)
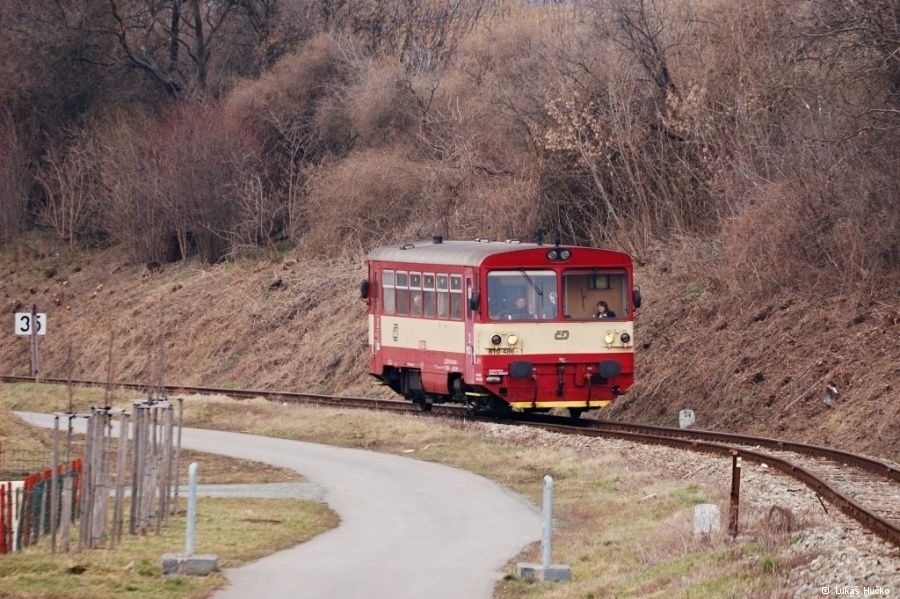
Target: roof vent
(408, 246)
(437, 239)
(513, 241)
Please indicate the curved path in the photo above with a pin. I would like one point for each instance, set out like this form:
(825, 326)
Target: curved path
(408, 528)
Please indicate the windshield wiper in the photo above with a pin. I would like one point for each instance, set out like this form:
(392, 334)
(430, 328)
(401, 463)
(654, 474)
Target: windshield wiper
(531, 282)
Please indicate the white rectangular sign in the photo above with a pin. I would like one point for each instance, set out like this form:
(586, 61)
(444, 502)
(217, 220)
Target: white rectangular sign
(23, 323)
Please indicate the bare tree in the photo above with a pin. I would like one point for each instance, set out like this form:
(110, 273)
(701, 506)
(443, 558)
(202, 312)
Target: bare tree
(69, 182)
(13, 180)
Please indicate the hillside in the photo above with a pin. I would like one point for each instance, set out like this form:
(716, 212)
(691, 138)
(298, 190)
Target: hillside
(761, 367)
(220, 185)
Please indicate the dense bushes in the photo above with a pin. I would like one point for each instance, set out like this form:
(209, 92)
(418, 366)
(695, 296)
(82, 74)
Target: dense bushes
(767, 126)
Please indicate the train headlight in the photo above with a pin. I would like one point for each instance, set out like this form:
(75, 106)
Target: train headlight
(496, 339)
(553, 254)
(512, 339)
(625, 337)
(565, 255)
(610, 338)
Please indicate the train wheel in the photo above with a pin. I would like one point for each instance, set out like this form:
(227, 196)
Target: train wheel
(575, 413)
(424, 402)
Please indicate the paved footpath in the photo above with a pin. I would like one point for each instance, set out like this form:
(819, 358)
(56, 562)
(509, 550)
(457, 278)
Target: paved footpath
(409, 529)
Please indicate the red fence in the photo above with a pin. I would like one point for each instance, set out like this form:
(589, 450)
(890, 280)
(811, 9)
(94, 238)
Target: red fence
(25, 511)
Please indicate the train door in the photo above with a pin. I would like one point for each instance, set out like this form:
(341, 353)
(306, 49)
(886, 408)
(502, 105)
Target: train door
(469, 316)
(375, 293)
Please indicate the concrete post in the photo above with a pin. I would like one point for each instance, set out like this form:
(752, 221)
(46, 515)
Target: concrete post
(188, 563)
(546, 571)
(191, 531)
(547, 527)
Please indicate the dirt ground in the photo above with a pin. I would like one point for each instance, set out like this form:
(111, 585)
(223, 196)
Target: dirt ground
(759, 365)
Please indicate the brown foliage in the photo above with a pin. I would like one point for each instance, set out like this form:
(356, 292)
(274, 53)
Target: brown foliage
(832, 218)
(176, 187)
(69, 181)
(13, 181)
(368, 198)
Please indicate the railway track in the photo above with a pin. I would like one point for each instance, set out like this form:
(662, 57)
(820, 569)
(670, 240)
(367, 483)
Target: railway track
(863, 488)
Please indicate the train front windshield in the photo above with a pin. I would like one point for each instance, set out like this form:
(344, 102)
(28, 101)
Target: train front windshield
(522, 295)
(590, 294)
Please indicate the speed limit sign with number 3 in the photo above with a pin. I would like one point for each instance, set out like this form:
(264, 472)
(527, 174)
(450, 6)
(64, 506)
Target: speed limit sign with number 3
(23, 323)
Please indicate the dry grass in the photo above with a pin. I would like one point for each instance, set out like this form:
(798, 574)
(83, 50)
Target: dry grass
(21, 439)
(230, 528)
(620, 526)
(764, 364)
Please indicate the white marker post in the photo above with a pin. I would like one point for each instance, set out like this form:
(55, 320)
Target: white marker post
(545, 571)
(188, 563)
(547, 537)
(190, 536)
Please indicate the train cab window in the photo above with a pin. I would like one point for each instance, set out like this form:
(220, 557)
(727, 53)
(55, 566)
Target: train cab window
(522, 295)
(402, 288)
(387, 286)
(585, 288)
(456, 297)
(415, 294)
(442, 283)
(428, 294)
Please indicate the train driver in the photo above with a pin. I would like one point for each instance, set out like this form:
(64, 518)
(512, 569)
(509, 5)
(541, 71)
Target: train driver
(519, 309)
(603, 310)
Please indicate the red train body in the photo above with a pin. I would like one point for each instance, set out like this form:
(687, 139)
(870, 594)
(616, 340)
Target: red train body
(501, 324)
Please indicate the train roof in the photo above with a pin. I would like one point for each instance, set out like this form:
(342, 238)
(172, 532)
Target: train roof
(464, 253)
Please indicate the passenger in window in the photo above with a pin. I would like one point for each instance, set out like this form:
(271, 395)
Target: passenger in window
(603, 310)
(417, 304)
(519, 310)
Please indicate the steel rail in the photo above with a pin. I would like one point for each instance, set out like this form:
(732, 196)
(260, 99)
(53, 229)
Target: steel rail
(867, 464)
(886, 530)
(688, 439)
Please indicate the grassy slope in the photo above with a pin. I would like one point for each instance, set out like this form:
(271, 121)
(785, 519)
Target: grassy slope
(232, 528)
(758, 366)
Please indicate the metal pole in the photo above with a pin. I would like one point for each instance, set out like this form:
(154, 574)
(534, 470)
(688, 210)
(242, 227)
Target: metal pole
(735, 494)
(178, 455)
(34, 347)
(54, 485)
(548, 522)
(190, 536)
(122, 447)
(137, 439)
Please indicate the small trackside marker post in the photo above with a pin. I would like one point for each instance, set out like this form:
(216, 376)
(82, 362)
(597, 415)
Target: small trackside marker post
(735, 494)
(188, 563)
(545, 571)
(190, 534)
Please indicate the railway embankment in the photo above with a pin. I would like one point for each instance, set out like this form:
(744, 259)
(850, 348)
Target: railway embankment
(815, 368)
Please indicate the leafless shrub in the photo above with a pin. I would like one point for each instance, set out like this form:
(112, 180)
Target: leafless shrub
(383, 106)
(13, 181)
(367, 198)
(831, 219)
(421, 33)
(172, 187)
(69, 179)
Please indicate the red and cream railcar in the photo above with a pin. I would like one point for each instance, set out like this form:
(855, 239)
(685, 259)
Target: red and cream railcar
(501, 324)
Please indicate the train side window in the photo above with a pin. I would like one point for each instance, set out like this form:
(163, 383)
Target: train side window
(402, 287)
(387, 287)
(415, 294)
(456, 297)
(443, 298)
(428, 292)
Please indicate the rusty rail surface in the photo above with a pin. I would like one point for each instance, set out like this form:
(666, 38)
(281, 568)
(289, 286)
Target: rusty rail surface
(725, 444)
